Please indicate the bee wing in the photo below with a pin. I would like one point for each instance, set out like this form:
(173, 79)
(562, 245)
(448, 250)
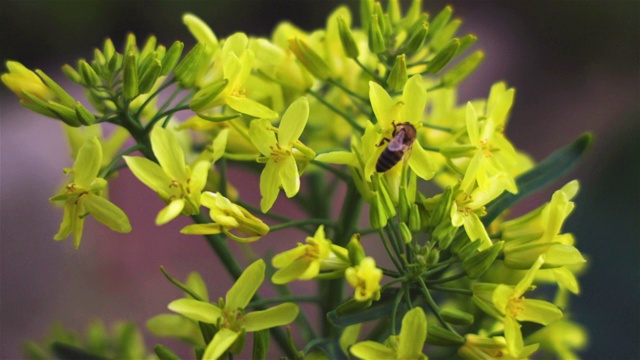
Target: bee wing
(396, 143)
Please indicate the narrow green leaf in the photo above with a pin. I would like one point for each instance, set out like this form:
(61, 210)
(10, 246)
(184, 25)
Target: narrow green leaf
(551, 168)
(164, 353)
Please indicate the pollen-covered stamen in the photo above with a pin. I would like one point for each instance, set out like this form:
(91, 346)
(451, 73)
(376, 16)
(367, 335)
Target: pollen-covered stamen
(238, 91)
(515, 306)
(486, 148)
(71, 188)
(278, 152)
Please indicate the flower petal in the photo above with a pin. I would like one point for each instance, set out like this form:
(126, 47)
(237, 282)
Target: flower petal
(289, 176)
(169, 153)
(513, 335)
(539, 311)
(269, 185)
(293, 121)
(170, 211)
(261, 137)
(382, 104)
(246, 286)
(421, 163)
(415, 99)
(220, 343)
(196, 310)
(107, 213)
(87, 163)
(202, 229)
(291, 272)
(250, 107)
(149, 173)
(412, 334)
(372, 350)
(276, 316)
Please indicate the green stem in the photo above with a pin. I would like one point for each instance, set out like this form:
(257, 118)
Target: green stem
(348, 91)
(298, 223)
(339, 173)
(349, 119)
(107, 169)
(281, 299)
(386, 247)
(452, 290)
(332, 290)
(371, 73)
(447, 279)
(180, 285)
(433, 306)
(152, 96)
(438, 127)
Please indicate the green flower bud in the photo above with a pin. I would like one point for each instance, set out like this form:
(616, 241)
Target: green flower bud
(260, 344)
(405, 233)
(468, 249)
(404, 206)
(130, 76)
(393, 11)
(84, 116)
(433, 257)
(398, 74)
(203, 99)
(115, 63)
(306, 151)
(383, 19)
(466, 41)
(366, 11)
(437, 335)
(310, 59)
(149, 76)
(72, 74)
(417, 37)
(478, 263)
(463, 69)
(386, 201)
(62, 95)
(442, 209)
(130, 44)
(189, 70)
(346, 38)
(456, 317)
(444, 234)
(443, 57)
(376, 38)
(64, 113)
(440, 21)
(98, 58)
(89, 76)
(415, 222)
(356, 251)
(456, 151)
(108, 49)
(149, 47)
(377, 216)
(171, 58)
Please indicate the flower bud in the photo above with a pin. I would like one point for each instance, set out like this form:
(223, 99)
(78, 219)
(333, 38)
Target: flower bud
(444, 234)
(366, 11)
(64, 113)
(21, 80)
(456, 317)
(463, 69)
(443, 57)
(377, 216)
(466, 41)
(398, 74)
(346, 38)
(189, 70)
(356, 251)
(478, 263)
(433, 257)
(89, 76)
(205, 97)
(376, 38)
(442, 209)
(164, 353)
(149, 76)
(72, 74)
(108, 49)
(405, 233)
(171, 58)
(310, 59)
(130, 77)
(417, 37)
(415, 222)
(440, 21)
(404, 207)
(84, 116)
(437, 335)
(468, 249)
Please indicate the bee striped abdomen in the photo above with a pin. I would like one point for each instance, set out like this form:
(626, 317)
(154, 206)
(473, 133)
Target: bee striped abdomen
(388, 159)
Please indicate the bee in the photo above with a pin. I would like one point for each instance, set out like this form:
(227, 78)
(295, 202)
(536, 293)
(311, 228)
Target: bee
(401, 142)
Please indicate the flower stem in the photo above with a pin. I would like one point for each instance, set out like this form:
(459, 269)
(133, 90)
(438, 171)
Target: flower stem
(349, 119)
(298, 223)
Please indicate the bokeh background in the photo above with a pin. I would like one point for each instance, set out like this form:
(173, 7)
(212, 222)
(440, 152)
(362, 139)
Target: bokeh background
(575, 65)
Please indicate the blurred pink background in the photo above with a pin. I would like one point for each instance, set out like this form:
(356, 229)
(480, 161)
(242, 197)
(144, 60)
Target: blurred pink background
(574, 66)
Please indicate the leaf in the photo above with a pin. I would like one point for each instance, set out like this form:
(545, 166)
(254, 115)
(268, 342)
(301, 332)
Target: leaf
(69, 352)
(551, 168)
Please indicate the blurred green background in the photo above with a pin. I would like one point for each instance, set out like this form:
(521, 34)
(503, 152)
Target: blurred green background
(575, 66)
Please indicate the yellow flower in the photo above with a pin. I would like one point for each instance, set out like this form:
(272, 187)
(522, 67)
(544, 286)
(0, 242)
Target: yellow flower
(365, 278)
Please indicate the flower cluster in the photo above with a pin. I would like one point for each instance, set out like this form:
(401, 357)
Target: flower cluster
(346, 120)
